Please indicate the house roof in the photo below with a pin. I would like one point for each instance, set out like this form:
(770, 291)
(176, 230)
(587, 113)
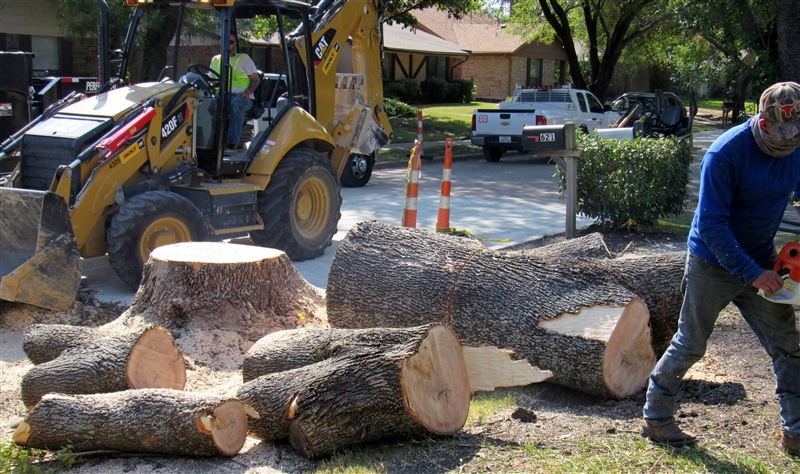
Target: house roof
(396, 37)
(476, 32)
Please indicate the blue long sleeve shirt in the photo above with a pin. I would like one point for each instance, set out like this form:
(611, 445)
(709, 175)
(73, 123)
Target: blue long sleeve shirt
(743, 195)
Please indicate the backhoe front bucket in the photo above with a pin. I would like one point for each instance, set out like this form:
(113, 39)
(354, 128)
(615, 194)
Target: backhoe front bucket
(39, 259)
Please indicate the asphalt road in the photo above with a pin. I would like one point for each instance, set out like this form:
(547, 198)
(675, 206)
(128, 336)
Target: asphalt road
(504, 203)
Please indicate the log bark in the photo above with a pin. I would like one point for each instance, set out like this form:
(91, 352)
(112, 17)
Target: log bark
(326, 389)
(582, 318)
(74, 360)
(138, 421)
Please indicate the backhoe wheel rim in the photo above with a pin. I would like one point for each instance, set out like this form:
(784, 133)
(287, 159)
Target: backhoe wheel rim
(359, 165)
(163, 231)
(311, 208)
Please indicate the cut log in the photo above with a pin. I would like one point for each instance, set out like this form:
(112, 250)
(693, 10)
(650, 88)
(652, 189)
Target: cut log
(326, 389)
(216, 299)
(143, 421)
(99, 361)
(588, 246)
(582, 318)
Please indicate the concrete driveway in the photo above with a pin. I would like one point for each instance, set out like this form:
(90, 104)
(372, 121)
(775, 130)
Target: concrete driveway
(504, 203)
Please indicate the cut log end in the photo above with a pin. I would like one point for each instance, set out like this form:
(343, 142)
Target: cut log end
(156, 362)
(209, 252)
(227, 425)
(22, 433)
(629, 357)
(436, 391)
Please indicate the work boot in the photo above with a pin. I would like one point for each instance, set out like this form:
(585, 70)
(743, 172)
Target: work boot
(230, 150)
(791, 445)
(668, 435)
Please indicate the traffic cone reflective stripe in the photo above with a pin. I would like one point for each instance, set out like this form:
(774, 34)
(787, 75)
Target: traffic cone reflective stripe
(412, 190)
(443, 219)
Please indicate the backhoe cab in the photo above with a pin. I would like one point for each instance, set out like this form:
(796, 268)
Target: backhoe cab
(140, 166)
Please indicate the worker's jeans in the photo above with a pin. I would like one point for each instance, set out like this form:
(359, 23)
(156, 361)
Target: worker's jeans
(707, 290)
(239, 105)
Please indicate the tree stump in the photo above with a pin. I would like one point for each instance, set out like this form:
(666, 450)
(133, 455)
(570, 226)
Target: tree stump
(582, 318)
(326, 389)
(96, 361)
(208, 294)
(138, 421)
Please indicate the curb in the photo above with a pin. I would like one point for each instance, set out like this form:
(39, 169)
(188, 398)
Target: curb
(396, 164)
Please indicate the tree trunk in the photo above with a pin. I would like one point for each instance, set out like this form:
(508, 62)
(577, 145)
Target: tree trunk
(326, 389)
(138, 421)
(581, 318)
(99, 361)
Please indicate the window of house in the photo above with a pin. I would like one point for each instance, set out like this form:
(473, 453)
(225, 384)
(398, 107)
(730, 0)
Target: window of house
(46, 50)
(534, 72)
(387, 67)
(436, 67)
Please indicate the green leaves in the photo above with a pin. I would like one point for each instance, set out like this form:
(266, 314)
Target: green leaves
(625, 184)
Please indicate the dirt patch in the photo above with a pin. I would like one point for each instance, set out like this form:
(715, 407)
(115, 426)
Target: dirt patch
(728, 399)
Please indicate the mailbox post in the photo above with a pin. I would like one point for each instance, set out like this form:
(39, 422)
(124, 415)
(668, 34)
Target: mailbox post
(558, 142)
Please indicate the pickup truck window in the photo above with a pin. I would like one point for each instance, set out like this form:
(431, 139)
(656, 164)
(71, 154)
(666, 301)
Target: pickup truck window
(581, 101)
(594, 104)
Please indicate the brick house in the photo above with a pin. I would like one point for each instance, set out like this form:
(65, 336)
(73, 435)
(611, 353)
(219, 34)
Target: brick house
(498, 59)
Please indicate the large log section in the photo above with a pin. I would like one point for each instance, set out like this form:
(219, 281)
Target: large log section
(326, 389)
(80, 360)
(138, 421)
(582, 318)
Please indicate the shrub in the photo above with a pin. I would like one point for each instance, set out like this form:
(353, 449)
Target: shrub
(407, 90)
(434, 91)
(462, 92)
(396, 108)
(625, 184)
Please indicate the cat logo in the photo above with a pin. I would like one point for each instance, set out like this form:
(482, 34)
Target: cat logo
(321, 46)
(331, 57)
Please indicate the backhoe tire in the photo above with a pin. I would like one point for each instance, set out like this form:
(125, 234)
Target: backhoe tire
(492, 154)
(148, 221)
(357, 170)
(301, 206)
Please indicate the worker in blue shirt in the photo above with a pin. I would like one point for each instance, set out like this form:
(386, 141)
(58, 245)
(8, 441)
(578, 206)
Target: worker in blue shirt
(746, 179)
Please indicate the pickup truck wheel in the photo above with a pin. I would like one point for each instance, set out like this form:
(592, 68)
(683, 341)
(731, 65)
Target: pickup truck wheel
(492, 154)
(358, 170)
(301, 206)
(146, 222)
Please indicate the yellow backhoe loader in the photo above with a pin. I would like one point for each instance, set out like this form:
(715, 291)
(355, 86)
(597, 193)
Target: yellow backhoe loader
(139, 166)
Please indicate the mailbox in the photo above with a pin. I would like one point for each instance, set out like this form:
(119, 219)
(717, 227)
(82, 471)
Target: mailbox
(549, 138)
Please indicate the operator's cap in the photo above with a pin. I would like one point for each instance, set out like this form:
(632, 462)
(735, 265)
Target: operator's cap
(780, 106)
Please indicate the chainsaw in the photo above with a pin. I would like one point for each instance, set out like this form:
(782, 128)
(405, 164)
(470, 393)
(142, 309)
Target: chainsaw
(788, 267)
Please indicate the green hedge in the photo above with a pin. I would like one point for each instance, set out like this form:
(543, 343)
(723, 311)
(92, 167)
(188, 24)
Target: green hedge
(395, 108)
(431, 91)
(625, 184)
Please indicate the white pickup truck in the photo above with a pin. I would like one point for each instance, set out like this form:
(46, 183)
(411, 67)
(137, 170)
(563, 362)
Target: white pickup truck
(500, 129)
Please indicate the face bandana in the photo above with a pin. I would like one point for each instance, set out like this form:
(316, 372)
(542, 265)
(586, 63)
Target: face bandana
(785, 137)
